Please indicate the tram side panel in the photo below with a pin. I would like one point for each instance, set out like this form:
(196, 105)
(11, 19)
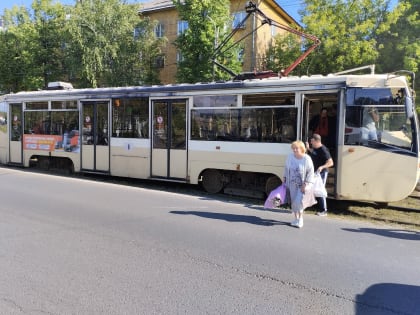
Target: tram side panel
(130, 157)
(374, 175)
(262, 158)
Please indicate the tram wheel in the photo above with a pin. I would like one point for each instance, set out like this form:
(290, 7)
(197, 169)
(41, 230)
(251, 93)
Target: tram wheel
(272, 183)
(212, 181)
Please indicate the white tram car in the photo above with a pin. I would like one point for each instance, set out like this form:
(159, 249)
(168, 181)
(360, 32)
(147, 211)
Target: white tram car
(230, 136)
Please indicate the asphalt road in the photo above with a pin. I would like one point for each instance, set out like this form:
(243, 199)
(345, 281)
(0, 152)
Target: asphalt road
(73, 246)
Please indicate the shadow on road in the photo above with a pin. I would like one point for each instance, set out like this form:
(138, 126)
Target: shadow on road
(389, 298)
(232, 217)
(394, 233)
(261, 208)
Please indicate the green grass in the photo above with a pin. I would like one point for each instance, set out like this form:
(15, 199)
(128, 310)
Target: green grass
(378, 214)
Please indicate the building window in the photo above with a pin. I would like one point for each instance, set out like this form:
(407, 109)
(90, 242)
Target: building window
(160, 62)
(179, 56)
(238, 17)
(138, 32)
(241, 53)
(182, 27)
(274, 30)
(160, 30)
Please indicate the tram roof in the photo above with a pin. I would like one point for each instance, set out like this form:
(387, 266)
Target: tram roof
(315, 82)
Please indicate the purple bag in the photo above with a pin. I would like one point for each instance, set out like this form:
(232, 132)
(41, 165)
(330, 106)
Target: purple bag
(276, 197)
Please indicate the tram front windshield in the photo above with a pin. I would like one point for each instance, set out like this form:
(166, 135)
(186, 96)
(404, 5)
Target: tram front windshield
(377, 117)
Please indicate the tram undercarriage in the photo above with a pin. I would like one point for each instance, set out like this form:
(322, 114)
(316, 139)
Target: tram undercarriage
(249, 184)
(47, 163)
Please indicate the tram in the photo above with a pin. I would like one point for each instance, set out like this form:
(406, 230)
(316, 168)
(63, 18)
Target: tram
(229, 136)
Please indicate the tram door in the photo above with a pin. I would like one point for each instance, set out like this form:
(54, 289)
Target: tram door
(305, 118)
(312, 104)
(169, 149)
(311, 108)
(95, 136)
(16, 133)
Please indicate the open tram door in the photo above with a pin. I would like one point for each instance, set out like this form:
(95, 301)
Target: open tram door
(169, 139)
(311, 106)
(95, 136)
(15, 136)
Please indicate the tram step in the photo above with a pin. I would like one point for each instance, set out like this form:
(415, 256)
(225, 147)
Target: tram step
(330, 181)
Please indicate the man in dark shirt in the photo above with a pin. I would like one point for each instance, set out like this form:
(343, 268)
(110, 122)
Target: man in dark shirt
(322, 160)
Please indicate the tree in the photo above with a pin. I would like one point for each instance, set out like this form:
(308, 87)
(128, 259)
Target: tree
(102, 36)
(16, 46)
(149, 50)
(31, 49)
(348, 32)
(285, 50)
(399, 44)
(207, 25)
(50, 24)
(401, 38)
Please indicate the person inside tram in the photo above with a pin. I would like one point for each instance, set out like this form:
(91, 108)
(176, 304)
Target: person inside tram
(370, 118)
(319, 124)
(246, 132)
(38, 128)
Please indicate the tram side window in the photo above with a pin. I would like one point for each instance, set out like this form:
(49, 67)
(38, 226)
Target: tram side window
(373, 96)
(268, 99)
(37, 122)
(3, 118)
(63, 122)
(36, 106)
(215, 124)
(215, 101)
(71, 104)
(51, 122)
(16, 116)
(130, 117)
(245, 124)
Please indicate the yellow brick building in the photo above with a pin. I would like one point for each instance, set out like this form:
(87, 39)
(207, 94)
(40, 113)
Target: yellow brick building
(255, 45)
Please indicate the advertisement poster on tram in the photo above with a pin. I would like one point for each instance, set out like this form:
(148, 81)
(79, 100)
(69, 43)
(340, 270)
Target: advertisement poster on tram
(69, 142)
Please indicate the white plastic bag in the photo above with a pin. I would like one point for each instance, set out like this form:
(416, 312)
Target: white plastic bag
(319, 187)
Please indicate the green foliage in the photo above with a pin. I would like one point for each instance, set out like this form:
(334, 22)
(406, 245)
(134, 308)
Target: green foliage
(207, 26)
(353, 34)
(348, 32)
(149, 49)
(399, 44)
(49, 22)
(102, 35)
(284, 52)
(16, 47)
(91, 44)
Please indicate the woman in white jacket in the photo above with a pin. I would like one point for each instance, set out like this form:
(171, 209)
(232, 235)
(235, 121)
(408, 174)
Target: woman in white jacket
(298, 177)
